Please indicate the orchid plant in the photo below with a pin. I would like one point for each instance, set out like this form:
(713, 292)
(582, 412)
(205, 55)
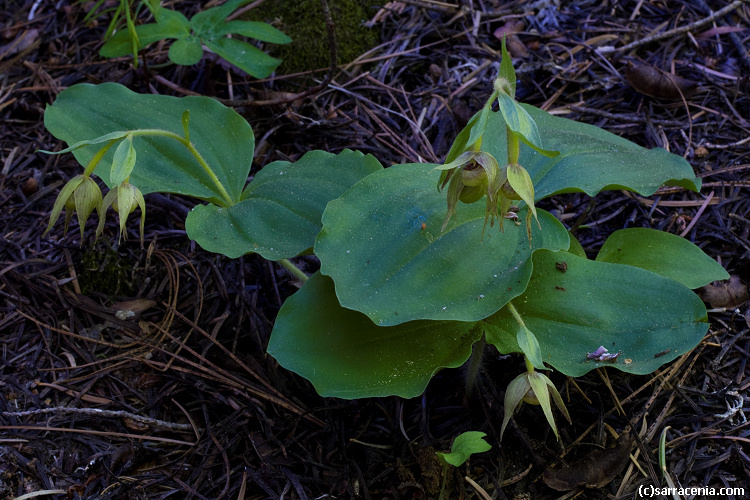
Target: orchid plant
(407, 286)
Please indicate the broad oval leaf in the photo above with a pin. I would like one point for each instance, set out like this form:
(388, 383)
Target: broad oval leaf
(574, 306)
(590, 160)
(186, 52)
(279, 215)
(345, 355)
(223, 138)
(381, 243)
(662, 253)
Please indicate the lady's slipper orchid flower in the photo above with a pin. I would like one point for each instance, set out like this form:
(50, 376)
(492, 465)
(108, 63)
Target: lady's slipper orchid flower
(469, 177)
(124, 198)
(82, 195)
(533, 388)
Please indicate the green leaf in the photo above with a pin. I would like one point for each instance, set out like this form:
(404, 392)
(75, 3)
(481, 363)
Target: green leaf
(249, 59)
(345, 355)
(171, 20)
(121, 43)
(224, 138)
(575, 247)
(520, 181)
(529, 345)
(390, 268)
(123, 161)
(461, 142)
(253, 29)
(662, 253)
(112, 136)
(575, 305)
(507, 71)
(464, 446)
(591, 159)
(186, 124)
(477, 131)
(205, 21)
(279, 215)
(522, 125)
(186, 52)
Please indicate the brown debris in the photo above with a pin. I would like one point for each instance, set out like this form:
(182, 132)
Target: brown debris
(654, 82)
(595, 470)
(728, 294)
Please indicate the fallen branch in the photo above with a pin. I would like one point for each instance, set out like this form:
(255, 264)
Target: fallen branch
(677, 31)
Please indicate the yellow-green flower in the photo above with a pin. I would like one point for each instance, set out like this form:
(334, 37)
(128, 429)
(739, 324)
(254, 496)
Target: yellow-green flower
(533, 388)
(124, 198)
(470, 177)
(81, 195)
(475, 174)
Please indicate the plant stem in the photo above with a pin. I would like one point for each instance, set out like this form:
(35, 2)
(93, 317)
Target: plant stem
(475, 362)
(529, 366)
(196, 154)
(514, 146)
(519, 320)
(97, 158)
(296, 271)
(515, 314)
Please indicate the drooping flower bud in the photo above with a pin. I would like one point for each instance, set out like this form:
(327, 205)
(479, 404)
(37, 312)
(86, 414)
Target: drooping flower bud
(534, 388)
(470, 177)
(124, 200)
(81, 195)
(473, 175)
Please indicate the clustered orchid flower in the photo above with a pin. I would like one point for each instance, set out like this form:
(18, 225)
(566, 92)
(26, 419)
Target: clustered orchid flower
(82, 195)
(471, 173)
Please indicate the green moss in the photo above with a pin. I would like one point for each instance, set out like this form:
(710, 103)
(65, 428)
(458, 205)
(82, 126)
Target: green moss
(303, 21)
(104, 271)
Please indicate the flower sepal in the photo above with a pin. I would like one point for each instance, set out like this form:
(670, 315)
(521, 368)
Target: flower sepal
(80, 195)
(124, 199)
(534, 388)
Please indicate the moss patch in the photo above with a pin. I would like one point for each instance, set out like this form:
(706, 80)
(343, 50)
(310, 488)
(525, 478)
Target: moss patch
(303, 21)
(105, 271)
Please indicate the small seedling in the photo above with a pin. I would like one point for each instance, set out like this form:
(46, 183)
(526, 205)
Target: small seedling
(464, 446)
(208, 28)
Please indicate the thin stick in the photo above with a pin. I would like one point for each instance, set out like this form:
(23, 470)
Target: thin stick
(677, 31)
(697, 215)
(95, 412)
(94, 433)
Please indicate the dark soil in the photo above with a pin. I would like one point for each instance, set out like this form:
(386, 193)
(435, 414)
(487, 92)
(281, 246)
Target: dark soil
(182, 401)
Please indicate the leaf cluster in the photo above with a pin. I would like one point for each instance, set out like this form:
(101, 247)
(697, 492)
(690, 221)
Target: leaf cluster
(207, 28)
(397, 298)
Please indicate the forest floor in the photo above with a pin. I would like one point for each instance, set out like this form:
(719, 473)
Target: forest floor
(185, 403)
